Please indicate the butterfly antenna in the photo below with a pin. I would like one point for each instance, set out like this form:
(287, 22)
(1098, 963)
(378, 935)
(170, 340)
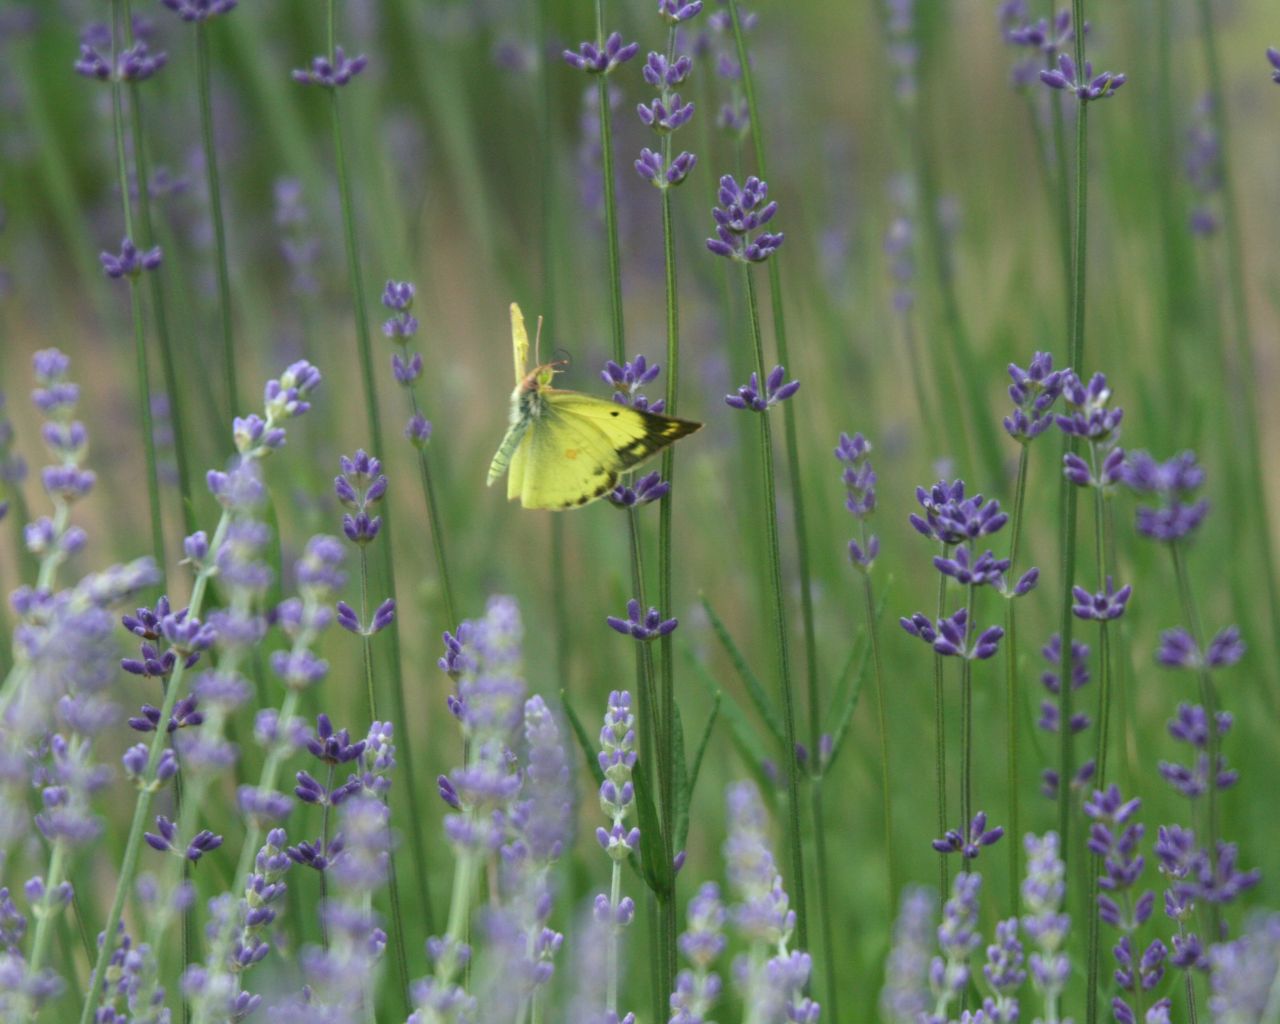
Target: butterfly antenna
(537, 344)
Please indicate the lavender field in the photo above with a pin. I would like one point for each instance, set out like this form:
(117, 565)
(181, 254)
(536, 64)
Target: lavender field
(935, 679)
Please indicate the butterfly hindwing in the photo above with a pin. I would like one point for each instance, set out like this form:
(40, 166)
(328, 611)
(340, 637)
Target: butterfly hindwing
(566, 461)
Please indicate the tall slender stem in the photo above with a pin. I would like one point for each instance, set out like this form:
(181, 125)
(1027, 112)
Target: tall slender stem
(366, 645)
(794, 473)
(364, 348)
(940, 735)
(204, 86)
(781, 641)
(966, 720)
(1013, 699)
(882, 712)
(158, 309)
(1067, 491)
(135, 305)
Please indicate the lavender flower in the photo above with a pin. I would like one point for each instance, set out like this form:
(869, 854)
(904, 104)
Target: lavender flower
(951, 636)
(1088, 87)
(743, 210)
(1103, 606)
(860, 497)
(299, 248)
(601, 59)
(969, 844)
(1049, 714)
(763, 916)
(1242, 977)
(1202, 162)
(1178, 650)
(643, 491)
(1034, 393)
(1273, 55)
(331, 73)
(130, 262)
(951, 518)
(629, 380)
(644, 628)
(698, 987)
(958, 939)
(1191, 726)
(199, 10)
(750, 397)
(1173, 484)
(1044, 922)
(904, 999)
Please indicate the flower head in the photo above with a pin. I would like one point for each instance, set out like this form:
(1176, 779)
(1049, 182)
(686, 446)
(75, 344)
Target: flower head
(776, 389)
(601, 60)
(744, 209)
(1086, 86)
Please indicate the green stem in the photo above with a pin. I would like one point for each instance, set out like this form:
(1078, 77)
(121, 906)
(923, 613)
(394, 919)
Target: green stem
(966, 718)
(824, 896)
(1246, 373)
(781, 641)
(364, 348)
(940, 734)
(49, 910)
(1209, 698)
(135, 308)
(610, 213)
(366, 643)
(1013, 699)
(1067, 491)
(205, 88)
(873, 630)
(168, 366)
(797, 491)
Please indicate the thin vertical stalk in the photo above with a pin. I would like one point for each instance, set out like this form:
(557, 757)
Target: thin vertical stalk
(781, 641)
(940, 735)
(1013, 699)
(204, 87)
(1246, 374)
(168, 366)
(135, 304)
(797, 491)
(549, 198)
(882, 712)
(366, 645)
(1067, 492)
(416, 818)
(1209, 698)
(831, 968)
(966, 720)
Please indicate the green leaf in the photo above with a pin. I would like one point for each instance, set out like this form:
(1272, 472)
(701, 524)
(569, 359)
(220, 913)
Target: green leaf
(855, 690)
(742, 733)
(685, 794)
(680, 788)
(749, 679)
(654, 865)
(589, 750)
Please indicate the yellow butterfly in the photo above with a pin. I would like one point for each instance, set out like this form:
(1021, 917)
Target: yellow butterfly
(564, 449)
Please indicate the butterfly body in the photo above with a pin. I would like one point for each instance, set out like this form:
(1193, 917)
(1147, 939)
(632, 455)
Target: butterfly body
(564, 449)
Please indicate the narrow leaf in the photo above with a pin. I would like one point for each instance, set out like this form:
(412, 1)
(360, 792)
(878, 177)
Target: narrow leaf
(686, 801)
(746, 740)
(653, 859)
(589, 750)
(749, 679)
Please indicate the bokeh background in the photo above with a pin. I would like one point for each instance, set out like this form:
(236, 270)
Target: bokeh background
(913, 194)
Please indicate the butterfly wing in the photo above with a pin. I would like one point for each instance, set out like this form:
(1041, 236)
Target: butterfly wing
(519, 341)
(576, 449)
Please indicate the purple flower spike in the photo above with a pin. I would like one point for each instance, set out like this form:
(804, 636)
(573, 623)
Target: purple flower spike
(649, 488)
(1034, 392)
(970, 844)
(1273, 55)
(650, 167)
(601, 60)
(629, 380)
(130, 261)
(775, 390)
(665, 115)
(744, 209)
(643, 628)
(331, 74)
(199, 10)
(950, 636)
(966, 570)
(1103, 606)
(1173, 484)
(676, 11)
(1088, 86)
